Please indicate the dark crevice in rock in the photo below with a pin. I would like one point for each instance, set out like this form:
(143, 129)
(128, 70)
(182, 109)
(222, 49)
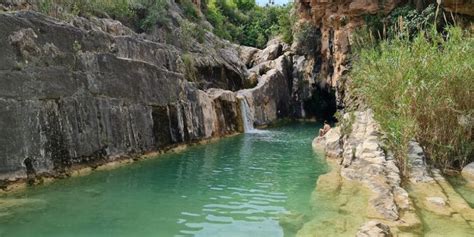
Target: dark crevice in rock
(322, 104)
(30, 170)
(161, 126)
(219, 77)
(55, 146)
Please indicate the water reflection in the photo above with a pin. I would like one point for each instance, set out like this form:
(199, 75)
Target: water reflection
(239, 186)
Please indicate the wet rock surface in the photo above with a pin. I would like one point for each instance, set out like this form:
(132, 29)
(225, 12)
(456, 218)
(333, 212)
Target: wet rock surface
(374, 229)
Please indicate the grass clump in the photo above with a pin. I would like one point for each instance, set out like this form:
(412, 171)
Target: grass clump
(422, 88)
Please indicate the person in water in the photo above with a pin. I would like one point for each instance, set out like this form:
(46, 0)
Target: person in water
(325, 129)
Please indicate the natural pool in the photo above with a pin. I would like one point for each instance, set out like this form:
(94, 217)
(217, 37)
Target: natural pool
(239, 186)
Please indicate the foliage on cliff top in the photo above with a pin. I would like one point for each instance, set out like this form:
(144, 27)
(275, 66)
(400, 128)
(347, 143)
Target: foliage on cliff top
(140, 14)
(244, 22)
(422, 88)
(240, 21)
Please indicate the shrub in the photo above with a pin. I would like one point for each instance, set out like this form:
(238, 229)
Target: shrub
(156, 13)
(422, 89)
(243, 22)
(190, 71)
(190, 10)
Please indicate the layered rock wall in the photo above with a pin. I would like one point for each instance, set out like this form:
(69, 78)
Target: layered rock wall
(82, 94)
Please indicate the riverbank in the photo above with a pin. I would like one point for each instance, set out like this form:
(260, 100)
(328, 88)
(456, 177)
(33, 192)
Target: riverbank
(425, 205)
(82, 170)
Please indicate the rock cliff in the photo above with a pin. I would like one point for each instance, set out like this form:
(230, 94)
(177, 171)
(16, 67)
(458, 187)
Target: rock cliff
(335, 23)
(91, 91)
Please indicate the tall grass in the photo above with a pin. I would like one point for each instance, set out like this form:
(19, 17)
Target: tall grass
(422, 88)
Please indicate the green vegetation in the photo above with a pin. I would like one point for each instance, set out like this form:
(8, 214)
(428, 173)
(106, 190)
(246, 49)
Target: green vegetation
(156, 12)
(240, 21)
(243, 22)
(190, 71)
(113, 8)
(420, 86)
(309, 38)
(190, 10)
(405, 17)
(141, 14)
(190, 31)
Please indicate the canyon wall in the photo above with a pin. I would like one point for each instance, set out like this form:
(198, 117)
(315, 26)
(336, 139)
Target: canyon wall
(87, 92)
(335, 21)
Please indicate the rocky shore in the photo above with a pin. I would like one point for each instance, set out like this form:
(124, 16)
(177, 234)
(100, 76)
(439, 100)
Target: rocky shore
(425, 205)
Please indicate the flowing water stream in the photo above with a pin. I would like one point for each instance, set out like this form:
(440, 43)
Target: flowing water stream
(244, 185)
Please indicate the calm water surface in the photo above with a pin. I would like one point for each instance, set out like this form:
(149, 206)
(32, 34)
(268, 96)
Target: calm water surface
(239, 186)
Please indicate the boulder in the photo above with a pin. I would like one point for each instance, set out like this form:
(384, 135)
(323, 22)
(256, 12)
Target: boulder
(247, 55)
(330, 143)
(271, 52)
(468, 172)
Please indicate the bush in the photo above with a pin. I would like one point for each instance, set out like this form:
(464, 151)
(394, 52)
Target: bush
(190, 10)
(243, 22)
(190, 71)
(402, 21)
(156, 13)
(422, 89)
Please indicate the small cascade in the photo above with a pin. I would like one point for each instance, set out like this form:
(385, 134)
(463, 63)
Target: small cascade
(247, 116)
(303, 112)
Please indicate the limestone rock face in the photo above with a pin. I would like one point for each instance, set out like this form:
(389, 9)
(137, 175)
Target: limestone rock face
(336, 20)
(459, 6)
(269, 99)
(330, 143)
(92, 91)
(357, 147)
(374, 229)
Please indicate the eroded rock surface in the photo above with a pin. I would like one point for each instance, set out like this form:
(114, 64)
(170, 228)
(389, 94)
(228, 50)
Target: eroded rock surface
(91, 91)
(428, 204)
(362, 159)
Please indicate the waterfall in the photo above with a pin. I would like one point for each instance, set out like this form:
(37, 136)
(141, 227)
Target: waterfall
(303, 112)
(247, 116)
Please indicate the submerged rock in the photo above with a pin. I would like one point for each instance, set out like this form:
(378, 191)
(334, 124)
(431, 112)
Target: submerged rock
(374, 229)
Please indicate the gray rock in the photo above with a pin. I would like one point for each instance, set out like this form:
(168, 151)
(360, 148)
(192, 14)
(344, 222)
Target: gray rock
(418, 171)
(271, 52)
(330, 143)
(93, 91)
(374, 229)
(437, 201)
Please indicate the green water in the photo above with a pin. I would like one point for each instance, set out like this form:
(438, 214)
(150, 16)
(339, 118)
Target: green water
(463, 188)
(238, 186)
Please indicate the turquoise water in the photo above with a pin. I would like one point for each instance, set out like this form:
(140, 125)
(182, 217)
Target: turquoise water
(239, 186)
